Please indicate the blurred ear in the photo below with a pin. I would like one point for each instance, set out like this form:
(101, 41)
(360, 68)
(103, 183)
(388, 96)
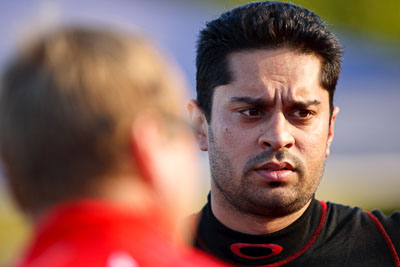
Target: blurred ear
(199, 121)
(166, 162)
(331, 132)
(145, 141)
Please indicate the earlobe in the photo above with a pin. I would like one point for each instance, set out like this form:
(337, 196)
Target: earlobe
(331, 132)
(199, 121)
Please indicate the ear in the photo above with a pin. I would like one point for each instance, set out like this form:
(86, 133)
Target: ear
(145, 139)
(331, 132)
(199, 121)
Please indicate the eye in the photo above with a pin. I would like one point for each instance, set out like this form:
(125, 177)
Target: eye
(303, 113)
(251, 112)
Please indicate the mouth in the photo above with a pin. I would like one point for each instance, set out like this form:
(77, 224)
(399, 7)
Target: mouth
(276, 171)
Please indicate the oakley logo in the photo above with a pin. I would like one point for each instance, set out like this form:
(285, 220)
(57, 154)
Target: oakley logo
(255, 251)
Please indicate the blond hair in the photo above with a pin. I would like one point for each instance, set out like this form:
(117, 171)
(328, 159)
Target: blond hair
(66, 107)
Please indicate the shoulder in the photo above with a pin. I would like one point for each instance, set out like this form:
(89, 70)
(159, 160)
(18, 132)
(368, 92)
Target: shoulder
(353, 221)
(340, 214)
(344, 221)
(390, 224)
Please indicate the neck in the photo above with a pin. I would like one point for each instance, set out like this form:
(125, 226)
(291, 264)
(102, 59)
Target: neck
(140, 196)
(248, 223)
(137, 198)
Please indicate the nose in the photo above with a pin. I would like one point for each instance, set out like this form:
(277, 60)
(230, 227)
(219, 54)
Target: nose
(275, 134)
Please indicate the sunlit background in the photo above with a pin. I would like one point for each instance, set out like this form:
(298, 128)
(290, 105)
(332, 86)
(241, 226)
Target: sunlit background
(363, 168)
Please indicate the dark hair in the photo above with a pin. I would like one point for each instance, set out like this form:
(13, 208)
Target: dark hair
(67, 105)
(262, 25)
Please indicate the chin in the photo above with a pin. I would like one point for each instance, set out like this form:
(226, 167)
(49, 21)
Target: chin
(278, 205)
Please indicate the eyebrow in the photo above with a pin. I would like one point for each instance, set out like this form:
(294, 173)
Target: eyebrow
(250, 100)
(305, 103)
(259, 101)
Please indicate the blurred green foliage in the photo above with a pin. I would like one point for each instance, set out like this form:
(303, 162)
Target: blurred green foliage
(387, 211)
(374, 18)
(15, 231)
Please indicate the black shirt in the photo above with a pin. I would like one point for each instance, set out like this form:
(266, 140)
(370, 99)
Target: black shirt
(326, 234)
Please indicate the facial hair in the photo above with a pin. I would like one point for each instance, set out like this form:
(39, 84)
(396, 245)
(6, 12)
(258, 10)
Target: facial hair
(243, 194)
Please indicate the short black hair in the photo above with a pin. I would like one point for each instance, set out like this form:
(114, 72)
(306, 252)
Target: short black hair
(263, 25)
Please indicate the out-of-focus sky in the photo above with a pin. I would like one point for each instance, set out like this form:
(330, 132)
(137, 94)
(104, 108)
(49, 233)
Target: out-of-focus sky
(366, 151)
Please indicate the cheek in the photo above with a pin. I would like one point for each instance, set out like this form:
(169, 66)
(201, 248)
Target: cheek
(229, 131)
(312, 144)
(232, 142)
(230, 137)
(223, 129)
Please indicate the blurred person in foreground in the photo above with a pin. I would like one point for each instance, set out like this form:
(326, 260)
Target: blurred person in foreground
(266, 76)
(96, 151)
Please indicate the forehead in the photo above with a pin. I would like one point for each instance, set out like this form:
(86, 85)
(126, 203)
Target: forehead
(273, 72)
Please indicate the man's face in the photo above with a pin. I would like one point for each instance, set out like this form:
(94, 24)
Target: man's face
(269, 132)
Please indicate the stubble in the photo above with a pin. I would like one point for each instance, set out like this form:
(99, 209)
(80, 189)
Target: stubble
(247, 197)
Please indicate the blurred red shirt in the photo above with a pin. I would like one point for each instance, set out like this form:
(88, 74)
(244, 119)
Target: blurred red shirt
(99, 233)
